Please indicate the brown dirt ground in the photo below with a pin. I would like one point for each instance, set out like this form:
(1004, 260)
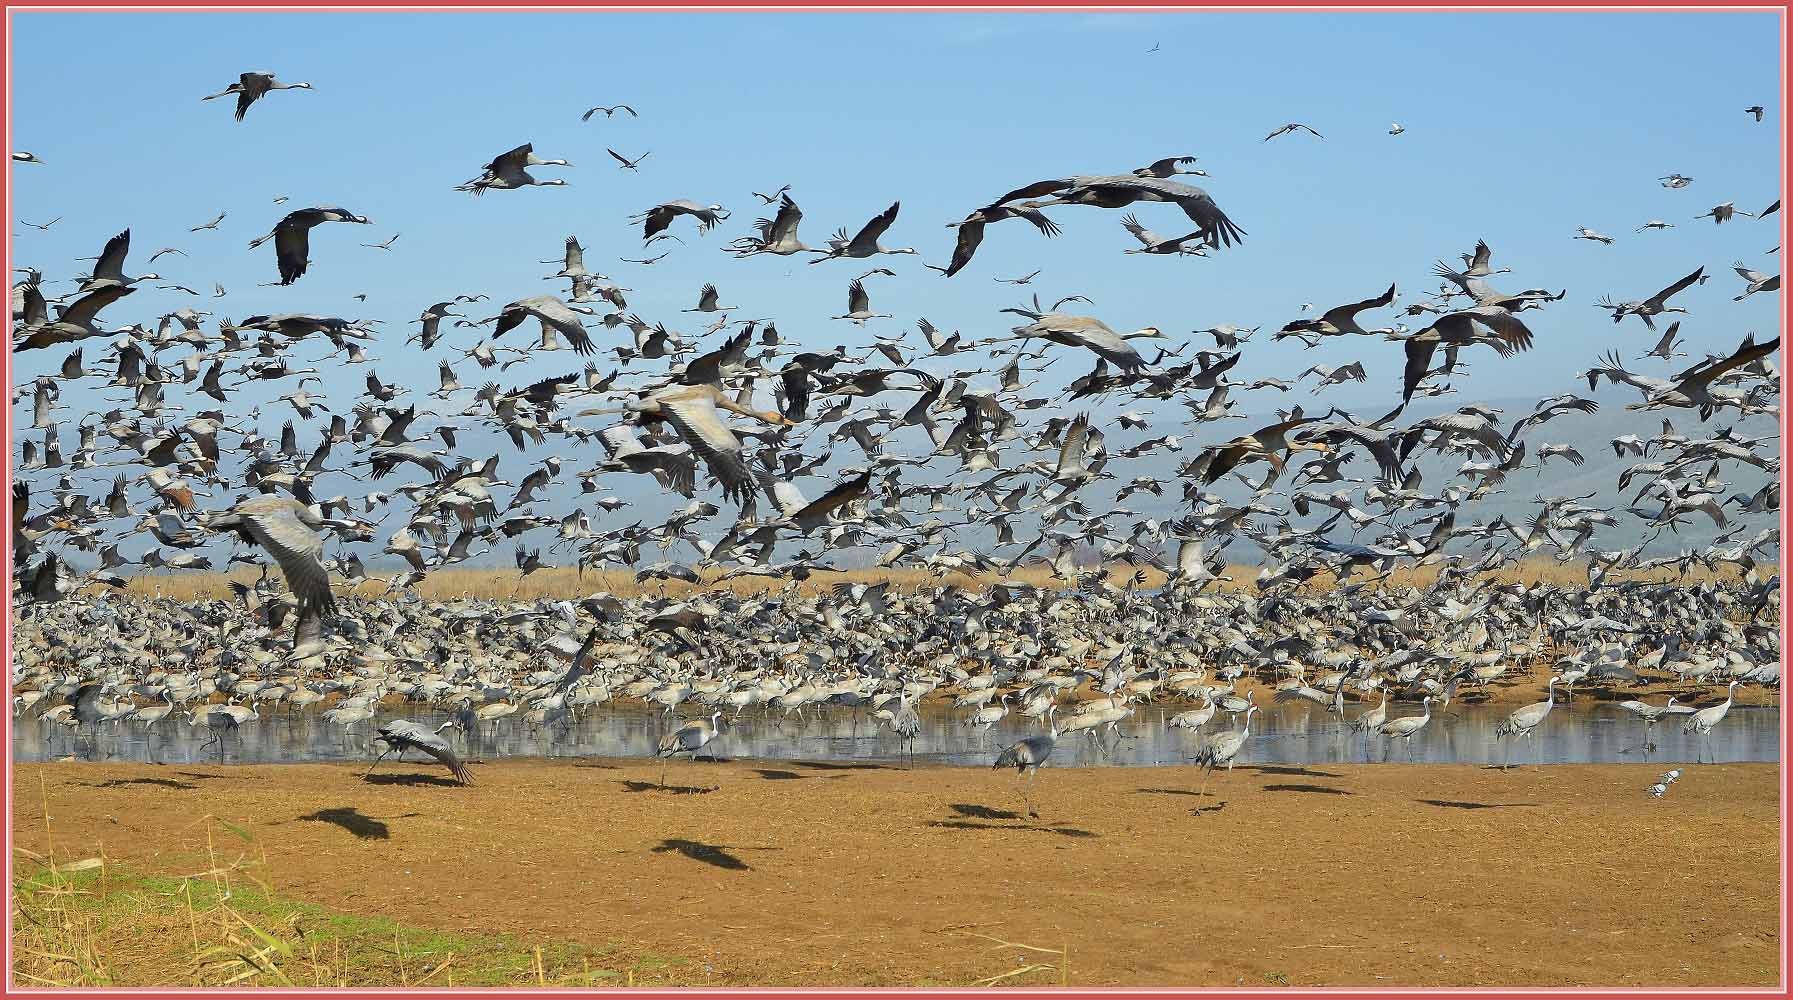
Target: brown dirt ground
(816, 874)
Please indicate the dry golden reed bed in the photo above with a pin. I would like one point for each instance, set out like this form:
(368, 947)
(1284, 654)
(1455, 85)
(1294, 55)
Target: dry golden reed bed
(567, 582)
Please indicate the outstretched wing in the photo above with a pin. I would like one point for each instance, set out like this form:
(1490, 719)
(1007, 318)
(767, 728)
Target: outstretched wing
(1036, 189)
(1376, 303)
(554, 313)
(857, 299)
(88, 306)
(784, 224)
(970, 235)
(1678, 286)
(416, 737)
(699, 424)
(111, 263)
(708, 368)
(1747, 353)
(1215, 226)
(874, 229)
(292, 251)
(297, 549)
(1130, 223)
(842, 494)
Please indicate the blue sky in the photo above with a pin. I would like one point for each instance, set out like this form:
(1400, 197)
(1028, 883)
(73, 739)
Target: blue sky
(1519, 129)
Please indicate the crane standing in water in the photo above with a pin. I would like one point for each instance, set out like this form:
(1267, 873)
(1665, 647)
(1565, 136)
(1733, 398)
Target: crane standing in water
(1651, 715)
(1702, 721)
(689, 739)
(1525, 720)
(907, 725)
(1404, 728)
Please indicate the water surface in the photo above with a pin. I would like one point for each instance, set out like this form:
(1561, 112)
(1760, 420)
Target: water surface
(1588, 733)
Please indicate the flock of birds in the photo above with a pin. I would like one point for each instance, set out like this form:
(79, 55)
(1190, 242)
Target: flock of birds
(913, 462)
(1016, 654)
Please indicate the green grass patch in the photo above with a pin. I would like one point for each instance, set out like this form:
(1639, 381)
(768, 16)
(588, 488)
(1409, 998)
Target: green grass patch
(94, 923)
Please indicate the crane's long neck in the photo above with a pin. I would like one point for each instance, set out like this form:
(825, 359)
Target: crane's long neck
(730, 405)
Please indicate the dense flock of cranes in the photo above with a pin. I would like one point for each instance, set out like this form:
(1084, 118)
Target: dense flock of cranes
(951, 456)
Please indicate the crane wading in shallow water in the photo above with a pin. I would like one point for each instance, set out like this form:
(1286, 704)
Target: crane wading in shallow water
(1705, 719)
(1525, 721)
(689, 739)
(1403, 729)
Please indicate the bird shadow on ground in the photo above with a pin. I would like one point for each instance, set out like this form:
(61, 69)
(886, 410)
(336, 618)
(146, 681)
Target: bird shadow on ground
(592, 764)
(817, 765)
(654, 786)
(1311, 789)
(1300, 772)
(350, 819)
(1164, 791)
(710, 854)
(1448, 804)
(982, 812)
(1058, 828)
(217, 777)
(410, 780)
(771, 775)
(162, 782)
(1198, 810)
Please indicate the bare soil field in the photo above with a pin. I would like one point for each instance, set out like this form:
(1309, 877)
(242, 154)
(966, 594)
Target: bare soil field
(809, 874)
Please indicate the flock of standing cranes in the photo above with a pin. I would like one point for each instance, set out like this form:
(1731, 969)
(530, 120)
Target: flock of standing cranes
(921, 447)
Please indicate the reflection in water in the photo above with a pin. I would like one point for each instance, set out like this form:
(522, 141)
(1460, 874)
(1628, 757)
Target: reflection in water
(1295, 735)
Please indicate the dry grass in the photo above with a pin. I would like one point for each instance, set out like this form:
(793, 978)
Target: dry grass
(95, 923)
(108, 926)
(566, 582)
